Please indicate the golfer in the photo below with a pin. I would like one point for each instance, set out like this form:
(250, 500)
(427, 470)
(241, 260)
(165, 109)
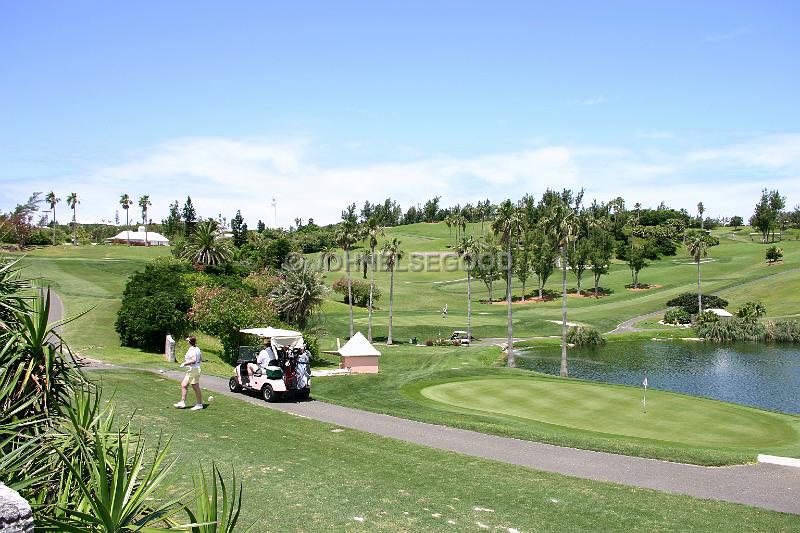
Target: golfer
(191, 361)
(262, 360)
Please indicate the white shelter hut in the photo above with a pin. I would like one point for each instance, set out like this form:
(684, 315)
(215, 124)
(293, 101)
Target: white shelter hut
(359, 356)
(719, 312)
(139, 238)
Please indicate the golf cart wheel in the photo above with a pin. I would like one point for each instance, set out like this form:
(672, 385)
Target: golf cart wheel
(234, 385)
(303, 393)
(267, 393)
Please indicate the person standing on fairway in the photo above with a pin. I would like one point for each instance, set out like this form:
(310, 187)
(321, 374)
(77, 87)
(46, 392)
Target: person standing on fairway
(192, 362)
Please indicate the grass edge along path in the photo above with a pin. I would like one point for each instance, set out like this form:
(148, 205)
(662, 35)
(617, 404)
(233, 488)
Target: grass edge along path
(330, 478)
(404, 372)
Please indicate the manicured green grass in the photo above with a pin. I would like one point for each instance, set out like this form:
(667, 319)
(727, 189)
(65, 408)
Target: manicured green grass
(617, 410)
(300, 475)
(575, 413)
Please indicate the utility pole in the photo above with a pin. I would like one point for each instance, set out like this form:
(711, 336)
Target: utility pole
(275, 213)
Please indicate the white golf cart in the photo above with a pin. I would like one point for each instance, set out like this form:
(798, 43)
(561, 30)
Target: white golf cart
(461, 336)
(288, 374)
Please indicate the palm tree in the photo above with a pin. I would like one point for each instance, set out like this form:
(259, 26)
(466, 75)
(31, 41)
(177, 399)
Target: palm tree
(72, 202)
(561, 224)
(207, 246)
(53, 200)
(327, 255)
(144, 203)
(371, 231)
(467, 249)
(299, 294)
(507, 226)
(393, 254)
(700, 210)
(697, 244)
(448, 221)
(126, 202)
(462, 224)
(345, 237)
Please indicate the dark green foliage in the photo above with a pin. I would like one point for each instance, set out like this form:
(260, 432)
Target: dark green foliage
(172, 224)
(276, 253)
(360, 291)
(40, 238)
(688, 301)
(677, 316)
(736, 222)
(584, 336)
(239, 230)
(783, 331)
(154, 304)
(189, 217)
(774, 254)
(765, 215)
(730, 329)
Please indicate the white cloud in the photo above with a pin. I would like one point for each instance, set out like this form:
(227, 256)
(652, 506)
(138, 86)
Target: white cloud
(729, 35)
(594, 100)
(223, 175)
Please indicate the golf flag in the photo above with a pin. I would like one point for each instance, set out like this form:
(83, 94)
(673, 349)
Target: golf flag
(644, 399)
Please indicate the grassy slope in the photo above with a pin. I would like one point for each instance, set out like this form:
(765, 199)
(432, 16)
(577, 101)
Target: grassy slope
(577, 413)
(736, 270)
(299, 475)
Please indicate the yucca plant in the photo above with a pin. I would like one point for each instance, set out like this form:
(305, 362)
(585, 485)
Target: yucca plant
(210, 515)
(119, 492)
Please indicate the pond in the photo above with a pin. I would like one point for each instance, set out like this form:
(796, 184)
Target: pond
(760, 375)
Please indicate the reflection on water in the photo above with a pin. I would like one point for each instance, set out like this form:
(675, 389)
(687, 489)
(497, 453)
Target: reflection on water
(761, 375)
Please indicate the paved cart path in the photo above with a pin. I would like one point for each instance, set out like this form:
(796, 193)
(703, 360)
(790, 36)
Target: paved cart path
(761, 485)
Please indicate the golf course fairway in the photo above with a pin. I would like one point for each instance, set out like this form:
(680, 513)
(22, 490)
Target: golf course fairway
(617, 410)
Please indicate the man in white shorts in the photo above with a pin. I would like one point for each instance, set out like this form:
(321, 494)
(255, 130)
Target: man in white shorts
(191, 361)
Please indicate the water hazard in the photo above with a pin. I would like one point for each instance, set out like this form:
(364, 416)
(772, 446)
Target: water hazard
(760, 375)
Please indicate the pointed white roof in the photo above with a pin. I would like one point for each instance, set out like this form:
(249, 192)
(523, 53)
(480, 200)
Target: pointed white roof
(358, 345)
(720, 312)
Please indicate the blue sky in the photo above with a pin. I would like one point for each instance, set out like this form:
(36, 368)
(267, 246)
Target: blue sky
(320, 104)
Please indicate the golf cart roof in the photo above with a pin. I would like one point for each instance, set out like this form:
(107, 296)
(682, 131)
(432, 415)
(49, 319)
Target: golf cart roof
(272, 332)
(460, 332)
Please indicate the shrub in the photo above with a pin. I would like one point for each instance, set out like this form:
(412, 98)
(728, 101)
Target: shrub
(222, 312)
(751, 311)
(688, 301)
(40, 238)
(677, 316)
(774, 254)
(262, 282)
(360, 290)
(732, 329)
(707, 318)
(584, 336)
(783, 331)
(154, 304)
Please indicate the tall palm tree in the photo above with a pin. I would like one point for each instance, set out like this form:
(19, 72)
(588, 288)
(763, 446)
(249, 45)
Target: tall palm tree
(700, 210)
(562, 225)
(467, 249)
(448, 221)
(126, 202)
(144, 203)
(208, 247)
(393, 254)
(327, 255)
(72, 202)
(462, 224)
(507, 226)
(52, 199)
(345, 237)
(697, 244)
(371, 231)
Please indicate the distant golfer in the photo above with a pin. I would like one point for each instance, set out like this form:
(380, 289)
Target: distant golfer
(192, 362)
(444, 311)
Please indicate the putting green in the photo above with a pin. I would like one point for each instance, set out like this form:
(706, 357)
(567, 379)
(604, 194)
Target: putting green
(616, 410)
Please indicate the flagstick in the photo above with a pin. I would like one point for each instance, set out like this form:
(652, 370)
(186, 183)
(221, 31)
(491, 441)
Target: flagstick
(644, 401)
